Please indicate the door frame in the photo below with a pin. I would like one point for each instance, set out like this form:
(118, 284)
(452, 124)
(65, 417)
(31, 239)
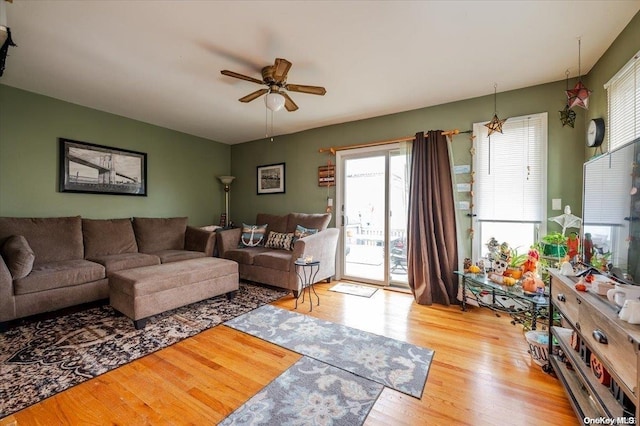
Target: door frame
(341, 156)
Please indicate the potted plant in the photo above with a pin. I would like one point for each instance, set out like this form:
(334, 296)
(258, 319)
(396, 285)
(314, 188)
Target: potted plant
(516, 260)
(554, 245)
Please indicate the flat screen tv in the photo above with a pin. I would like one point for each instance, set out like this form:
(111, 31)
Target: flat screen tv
(611, 211)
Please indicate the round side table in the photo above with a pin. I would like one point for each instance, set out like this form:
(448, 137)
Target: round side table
(307, 272)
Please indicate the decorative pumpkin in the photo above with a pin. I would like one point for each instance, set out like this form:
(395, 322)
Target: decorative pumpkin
(531, 282)
(599, 371)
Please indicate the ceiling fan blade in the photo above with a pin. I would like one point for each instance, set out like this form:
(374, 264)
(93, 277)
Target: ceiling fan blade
(280, 69)
(241, 76)
(254, 95)
(288, 102)
(312, 90)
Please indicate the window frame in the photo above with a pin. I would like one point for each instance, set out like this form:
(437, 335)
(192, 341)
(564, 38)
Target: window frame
(479, 131)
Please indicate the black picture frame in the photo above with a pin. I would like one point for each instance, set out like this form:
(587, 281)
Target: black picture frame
(97, 169)
(271, 179)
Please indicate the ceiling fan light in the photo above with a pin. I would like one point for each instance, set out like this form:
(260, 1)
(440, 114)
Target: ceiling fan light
(274, 101)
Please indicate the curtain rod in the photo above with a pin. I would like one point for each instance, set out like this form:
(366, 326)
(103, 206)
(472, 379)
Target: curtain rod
(334, 149)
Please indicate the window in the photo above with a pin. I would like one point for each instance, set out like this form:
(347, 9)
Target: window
(509, 192)
(623, 99)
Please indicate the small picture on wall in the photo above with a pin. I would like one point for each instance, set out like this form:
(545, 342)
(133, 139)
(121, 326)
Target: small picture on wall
(271, 179)
(98, 169)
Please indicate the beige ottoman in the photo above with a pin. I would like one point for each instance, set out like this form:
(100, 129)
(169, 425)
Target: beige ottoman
(142, 292)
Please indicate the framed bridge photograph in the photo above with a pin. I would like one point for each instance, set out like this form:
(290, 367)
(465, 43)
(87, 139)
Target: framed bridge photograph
(97, 169)
(271, 179)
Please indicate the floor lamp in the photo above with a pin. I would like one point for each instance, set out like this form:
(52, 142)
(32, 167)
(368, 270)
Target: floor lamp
(226, 181)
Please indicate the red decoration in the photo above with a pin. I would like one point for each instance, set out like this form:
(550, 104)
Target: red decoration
(578, 96)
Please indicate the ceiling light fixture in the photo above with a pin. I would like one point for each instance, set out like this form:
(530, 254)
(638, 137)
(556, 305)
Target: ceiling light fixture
(5, 35)
(274, 101)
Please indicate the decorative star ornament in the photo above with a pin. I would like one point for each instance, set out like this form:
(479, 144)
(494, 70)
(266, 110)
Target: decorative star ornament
(495, 125)
(578, 96)
(567, 117)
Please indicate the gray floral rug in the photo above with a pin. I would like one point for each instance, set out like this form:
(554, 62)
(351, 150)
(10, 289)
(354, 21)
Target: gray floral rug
(40, 359)
(310, 393)
(392, 363)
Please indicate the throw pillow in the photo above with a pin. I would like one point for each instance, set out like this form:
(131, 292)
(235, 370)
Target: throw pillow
(279, 240)
(302, 232)
(252, 235)
(18, 256)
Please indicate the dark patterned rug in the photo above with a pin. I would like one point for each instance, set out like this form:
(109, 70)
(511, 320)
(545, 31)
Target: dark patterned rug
(39, 359)
(390, 362)
(310, 392)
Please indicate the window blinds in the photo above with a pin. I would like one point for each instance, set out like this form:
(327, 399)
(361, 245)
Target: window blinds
(607, 186)
(510, 170)
(623, 98)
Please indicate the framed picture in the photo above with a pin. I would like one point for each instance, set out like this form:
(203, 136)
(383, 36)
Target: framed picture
(98, 169)
(271, 179)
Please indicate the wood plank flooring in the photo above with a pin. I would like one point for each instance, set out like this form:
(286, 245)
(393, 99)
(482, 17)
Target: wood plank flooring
(482, 373)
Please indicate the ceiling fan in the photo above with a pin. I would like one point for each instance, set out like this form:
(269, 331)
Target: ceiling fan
(275, 78)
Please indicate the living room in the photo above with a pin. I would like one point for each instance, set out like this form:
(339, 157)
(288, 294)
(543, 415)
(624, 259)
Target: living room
(183, 170)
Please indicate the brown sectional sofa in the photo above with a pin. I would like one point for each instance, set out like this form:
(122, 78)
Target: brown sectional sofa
(277, 267)
(51, 263)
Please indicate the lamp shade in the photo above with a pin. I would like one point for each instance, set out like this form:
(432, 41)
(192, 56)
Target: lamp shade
(274, 101)
(226, 180)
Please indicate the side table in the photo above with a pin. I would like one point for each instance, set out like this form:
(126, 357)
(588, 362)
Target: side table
(500, 298)
(307, 272)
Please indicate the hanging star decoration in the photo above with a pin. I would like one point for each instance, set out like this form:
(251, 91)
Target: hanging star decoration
(567, 117)
(578, 96)
(495, 125)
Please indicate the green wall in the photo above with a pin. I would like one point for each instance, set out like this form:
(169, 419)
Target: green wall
(181, 169)
(300, 151)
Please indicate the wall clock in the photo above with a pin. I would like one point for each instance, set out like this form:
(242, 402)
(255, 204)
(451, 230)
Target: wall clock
(595, 132)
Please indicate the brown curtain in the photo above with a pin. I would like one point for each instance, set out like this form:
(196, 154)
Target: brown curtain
(432, 249)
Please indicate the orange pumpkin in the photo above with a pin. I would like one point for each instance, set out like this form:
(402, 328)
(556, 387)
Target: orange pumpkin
(599, 371)
(531, 283)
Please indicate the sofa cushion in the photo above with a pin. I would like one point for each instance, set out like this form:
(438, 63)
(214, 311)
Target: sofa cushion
(302, 232)
(51, 239)
(318, 221)
(18, 256)
(253, 235)
(118, 262)
(156, 234)
(279, 240)
(245, 255)
(168, 256)
(64, 273)
(274, 259)
(108, 236)
(275, 223)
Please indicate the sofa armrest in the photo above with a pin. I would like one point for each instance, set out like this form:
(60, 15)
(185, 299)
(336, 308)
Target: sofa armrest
(7, 299)
(227, 239)
(197, 239)
(322, 246)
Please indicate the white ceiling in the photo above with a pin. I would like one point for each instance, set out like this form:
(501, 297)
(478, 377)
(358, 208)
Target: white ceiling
(160, 61)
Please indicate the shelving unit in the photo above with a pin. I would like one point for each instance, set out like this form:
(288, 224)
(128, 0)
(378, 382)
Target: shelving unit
(615, 343)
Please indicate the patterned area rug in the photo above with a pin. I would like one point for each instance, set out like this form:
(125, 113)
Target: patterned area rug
(392, 363)
(354, 289)
(310, 393)
(40, 359)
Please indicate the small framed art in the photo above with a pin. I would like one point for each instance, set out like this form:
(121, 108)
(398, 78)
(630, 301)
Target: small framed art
(271, 179)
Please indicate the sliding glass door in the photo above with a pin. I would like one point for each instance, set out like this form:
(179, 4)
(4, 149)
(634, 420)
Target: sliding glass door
(372, 201)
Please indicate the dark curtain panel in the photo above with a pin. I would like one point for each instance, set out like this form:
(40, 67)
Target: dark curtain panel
(432, 251)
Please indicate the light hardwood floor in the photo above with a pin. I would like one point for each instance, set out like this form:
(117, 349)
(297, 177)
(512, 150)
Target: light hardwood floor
(481, 374)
